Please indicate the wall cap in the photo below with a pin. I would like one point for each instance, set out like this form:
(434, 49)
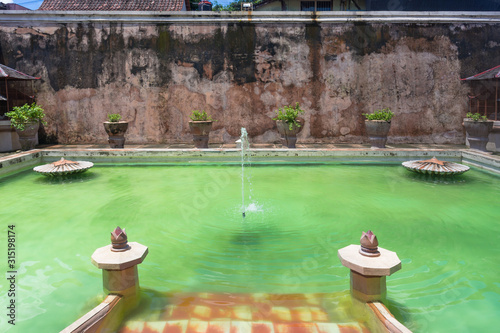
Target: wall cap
(193, 17)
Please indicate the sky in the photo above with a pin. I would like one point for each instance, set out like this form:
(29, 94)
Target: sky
(30, 4)
(34, 4)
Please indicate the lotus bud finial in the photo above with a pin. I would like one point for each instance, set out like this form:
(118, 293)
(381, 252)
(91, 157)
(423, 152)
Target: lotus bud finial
(369, 244)
(119, 240)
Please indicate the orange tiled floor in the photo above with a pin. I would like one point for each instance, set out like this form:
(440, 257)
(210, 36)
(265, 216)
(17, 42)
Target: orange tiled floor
(244, 313)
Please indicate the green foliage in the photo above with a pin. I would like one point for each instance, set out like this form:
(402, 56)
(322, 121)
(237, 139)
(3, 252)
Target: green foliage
(200, 116)
(217, 7)
(476, 117)
(385, 114)
(289, 115)
(193, 4)
(114, 117)
(234, 6)
(20, 116)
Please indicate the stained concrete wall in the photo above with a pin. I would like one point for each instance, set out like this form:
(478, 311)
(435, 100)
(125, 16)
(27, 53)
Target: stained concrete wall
(155, 70)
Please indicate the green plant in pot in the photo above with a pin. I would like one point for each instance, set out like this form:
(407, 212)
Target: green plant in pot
(200, 126)
(377, 126)
(116, 128)
(289, 124)
(478, 129)
(26, 120)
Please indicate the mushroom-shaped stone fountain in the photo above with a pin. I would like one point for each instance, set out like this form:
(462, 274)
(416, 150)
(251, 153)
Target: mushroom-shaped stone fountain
(63, 167)
(435, 167)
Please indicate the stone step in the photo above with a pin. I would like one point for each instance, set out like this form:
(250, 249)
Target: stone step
(234, 326)
(264, 312)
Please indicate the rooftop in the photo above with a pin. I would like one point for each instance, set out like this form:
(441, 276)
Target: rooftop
(114, 5)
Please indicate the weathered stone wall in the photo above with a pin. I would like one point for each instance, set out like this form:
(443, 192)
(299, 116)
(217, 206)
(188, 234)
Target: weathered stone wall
(154, 74)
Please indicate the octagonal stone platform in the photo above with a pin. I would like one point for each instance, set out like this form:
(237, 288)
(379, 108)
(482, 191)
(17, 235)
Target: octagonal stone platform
(383, 265)
(104, 258)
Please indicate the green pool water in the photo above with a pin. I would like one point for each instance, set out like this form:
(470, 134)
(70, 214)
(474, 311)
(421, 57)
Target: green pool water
(446, 233)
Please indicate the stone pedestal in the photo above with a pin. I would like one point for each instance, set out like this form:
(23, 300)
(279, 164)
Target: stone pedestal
(120, 268)
(368, 288)
(125, 282)
(368, 274)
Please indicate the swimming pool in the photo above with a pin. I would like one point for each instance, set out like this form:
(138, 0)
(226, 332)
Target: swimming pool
(298, 216)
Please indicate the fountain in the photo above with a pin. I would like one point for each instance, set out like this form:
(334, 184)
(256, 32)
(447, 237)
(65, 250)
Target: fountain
(244, 145)
(435, 167)
(246, 176)
(63, 167)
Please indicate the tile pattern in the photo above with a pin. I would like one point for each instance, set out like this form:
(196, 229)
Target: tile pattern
(193, 326)
(241, 313)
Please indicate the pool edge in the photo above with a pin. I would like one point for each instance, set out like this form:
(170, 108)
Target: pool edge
(20, 161)
(386, 318)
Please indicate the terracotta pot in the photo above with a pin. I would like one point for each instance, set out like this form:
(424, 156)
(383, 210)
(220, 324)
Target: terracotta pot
(200, 131)
(27, 137)
(377, 131)
(288, 135)
(116, 132)
(478, 132)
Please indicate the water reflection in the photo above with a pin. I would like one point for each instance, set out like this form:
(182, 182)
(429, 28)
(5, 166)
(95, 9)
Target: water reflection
(68, 179)
(435, 179)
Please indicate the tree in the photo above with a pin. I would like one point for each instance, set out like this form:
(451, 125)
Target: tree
(232, 6)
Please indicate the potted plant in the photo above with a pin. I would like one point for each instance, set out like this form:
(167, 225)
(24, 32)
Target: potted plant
(288, 123)
(200, 126)
(116, 130)
(478, 128)
(378, 125)
(26, 120)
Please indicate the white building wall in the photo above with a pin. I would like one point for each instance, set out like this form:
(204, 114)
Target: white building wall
(294, 5)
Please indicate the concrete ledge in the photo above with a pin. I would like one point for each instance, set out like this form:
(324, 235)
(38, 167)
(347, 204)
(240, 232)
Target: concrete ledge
(93, 320)
(309, 155)
(255, 17)
(14, 163)
(481, 160)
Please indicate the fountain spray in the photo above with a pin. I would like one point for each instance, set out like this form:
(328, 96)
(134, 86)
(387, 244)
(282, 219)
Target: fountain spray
(244, 146)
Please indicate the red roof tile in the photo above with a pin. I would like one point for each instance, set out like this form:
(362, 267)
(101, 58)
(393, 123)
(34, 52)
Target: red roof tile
(112, 5)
